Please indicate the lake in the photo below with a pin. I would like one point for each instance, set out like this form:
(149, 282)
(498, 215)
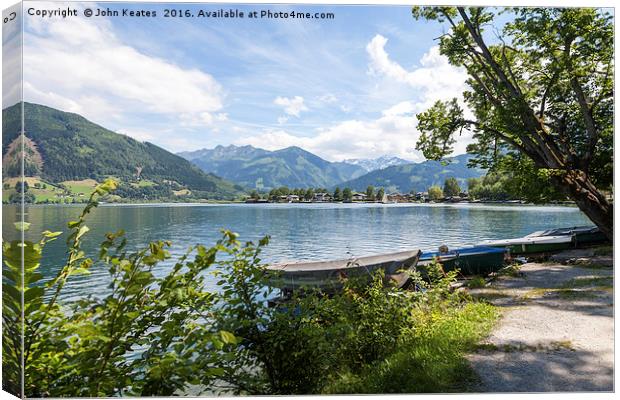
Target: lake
(298, 231)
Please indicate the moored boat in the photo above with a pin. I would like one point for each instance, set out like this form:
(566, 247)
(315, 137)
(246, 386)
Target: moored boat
(477, 260)
(328, 275)
(532, 244)
(582, 235)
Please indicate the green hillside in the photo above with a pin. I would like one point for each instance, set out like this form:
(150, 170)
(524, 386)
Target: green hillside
(68, 147)
(417, 177)
(264, 170)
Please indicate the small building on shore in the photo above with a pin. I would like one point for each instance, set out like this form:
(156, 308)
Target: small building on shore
(422, 196)
(356, 196)
(322, 197)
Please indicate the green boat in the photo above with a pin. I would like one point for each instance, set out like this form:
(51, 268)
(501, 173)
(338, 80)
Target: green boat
(533, 244)
(477, 260)
(328, 275)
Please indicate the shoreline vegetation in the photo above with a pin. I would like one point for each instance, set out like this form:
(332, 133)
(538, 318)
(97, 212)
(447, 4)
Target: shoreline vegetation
(39, 192)
(370, 338)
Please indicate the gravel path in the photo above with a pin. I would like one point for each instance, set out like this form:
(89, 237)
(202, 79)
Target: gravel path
(556, 330)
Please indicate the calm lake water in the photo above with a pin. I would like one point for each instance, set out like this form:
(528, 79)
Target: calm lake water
(298, 231)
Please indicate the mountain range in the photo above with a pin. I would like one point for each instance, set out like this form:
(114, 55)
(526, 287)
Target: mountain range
(62, 146)
(417, 177)
(373, 164)
(264, 170)
(294, 167)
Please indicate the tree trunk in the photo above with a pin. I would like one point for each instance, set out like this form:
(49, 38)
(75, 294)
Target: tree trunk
(589, 200)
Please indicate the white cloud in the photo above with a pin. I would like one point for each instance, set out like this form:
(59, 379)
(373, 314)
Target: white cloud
(79, 63)
(138, 134)
(328, 98)
(393, 133)
(292, 106)
(435, 77)
(282, 120)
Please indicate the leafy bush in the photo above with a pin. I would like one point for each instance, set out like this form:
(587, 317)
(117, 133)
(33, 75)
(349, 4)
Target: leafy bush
(147, 337)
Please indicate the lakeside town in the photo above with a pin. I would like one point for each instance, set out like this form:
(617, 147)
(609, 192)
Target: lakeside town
(450, 193)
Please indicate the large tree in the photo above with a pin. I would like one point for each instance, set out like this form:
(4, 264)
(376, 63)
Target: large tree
(451, 187)
(540, 87)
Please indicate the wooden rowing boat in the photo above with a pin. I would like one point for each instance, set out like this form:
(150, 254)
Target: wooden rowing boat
(329, 275)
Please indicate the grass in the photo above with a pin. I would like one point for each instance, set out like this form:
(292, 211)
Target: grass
(476, 282)
(51, 191)
(84, 186)
(575, 289)
(489, 295)
(604, 251)
(513, 271)
(143, 183)
(589, 281)
(432, 360)
(594, 266)
(563, 293)
(511, 348)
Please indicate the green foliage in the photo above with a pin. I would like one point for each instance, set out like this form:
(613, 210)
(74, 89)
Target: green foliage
(254, 195)
(435, 193)
(476, 282)
(437, 126)
(370, 193)
(380, 193)
(490, 187)
(347, 194)
(430, 358)
(451, 187)
(337, 194)
(21, 187)
(147, 336)
(516, 178)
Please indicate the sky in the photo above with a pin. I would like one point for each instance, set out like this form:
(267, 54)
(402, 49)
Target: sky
(342, 88)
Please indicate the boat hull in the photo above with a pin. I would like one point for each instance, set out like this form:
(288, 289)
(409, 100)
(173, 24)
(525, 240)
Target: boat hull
(533, 244)
(535, 248)
(481, 260)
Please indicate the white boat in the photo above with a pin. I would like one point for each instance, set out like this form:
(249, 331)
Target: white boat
(532, 244)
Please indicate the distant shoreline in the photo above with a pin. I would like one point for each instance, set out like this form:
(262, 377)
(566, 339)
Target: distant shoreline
(355, 204)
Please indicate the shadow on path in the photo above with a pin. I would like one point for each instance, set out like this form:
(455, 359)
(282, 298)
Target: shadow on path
(554, 335)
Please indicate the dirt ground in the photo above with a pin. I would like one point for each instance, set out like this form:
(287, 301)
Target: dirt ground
(556, 333)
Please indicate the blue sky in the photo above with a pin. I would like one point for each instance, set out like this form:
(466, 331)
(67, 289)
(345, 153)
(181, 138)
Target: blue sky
(343, 88)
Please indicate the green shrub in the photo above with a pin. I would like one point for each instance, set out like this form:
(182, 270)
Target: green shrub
(146, 337)
(476, 282)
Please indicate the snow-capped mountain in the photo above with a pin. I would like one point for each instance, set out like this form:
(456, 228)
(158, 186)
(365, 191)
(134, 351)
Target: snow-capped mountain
(377, 163)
